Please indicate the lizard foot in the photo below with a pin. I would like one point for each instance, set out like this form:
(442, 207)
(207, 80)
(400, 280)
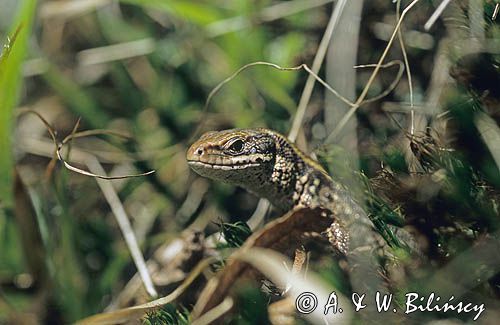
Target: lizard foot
(338, 237)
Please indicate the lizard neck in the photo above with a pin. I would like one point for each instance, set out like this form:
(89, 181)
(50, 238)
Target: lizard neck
(294, 180)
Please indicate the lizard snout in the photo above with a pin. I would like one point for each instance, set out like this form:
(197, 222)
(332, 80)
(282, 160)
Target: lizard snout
(195, 152)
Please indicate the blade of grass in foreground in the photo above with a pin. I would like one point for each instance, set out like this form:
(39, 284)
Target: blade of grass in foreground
(10, 81)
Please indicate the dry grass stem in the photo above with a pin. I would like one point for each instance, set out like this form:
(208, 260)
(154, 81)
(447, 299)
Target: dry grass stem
(408, 70)
(67, 10)
(258, 215)
(317, 62)
(124, 223)
(490, 132)
(363, 94)
(108, 192)
(476, 20)
(116, 52)
(134, 313)
(60, 145)
(312, 74)
(393, 84)
(215, 313)
(435, 15)
(274, 12)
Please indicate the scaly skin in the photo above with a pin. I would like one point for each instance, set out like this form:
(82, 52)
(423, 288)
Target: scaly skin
(267, 164)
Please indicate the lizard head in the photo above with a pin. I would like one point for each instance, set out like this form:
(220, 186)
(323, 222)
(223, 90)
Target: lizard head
(259, 160)
(237, 156)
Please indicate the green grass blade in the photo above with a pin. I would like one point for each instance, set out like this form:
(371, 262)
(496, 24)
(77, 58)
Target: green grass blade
(193, 11)
(10, 81)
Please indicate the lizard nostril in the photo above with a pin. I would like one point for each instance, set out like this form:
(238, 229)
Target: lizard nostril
(199, 151)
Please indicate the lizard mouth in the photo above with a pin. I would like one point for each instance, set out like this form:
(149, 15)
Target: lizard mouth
(197, 164)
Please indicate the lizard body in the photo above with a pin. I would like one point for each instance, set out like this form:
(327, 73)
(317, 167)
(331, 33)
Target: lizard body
(265, 163)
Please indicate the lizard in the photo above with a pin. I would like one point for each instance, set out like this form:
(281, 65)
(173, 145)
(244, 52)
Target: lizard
(267, 164)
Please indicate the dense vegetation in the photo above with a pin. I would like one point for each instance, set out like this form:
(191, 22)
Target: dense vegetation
(145, 69)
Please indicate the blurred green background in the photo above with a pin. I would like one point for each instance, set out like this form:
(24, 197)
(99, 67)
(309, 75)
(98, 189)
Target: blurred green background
(145, 68)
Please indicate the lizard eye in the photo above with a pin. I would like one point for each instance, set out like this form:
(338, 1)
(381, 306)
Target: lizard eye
(237, 146)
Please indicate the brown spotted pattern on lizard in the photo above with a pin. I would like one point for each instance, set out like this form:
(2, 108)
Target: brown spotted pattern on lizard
(265, 163)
